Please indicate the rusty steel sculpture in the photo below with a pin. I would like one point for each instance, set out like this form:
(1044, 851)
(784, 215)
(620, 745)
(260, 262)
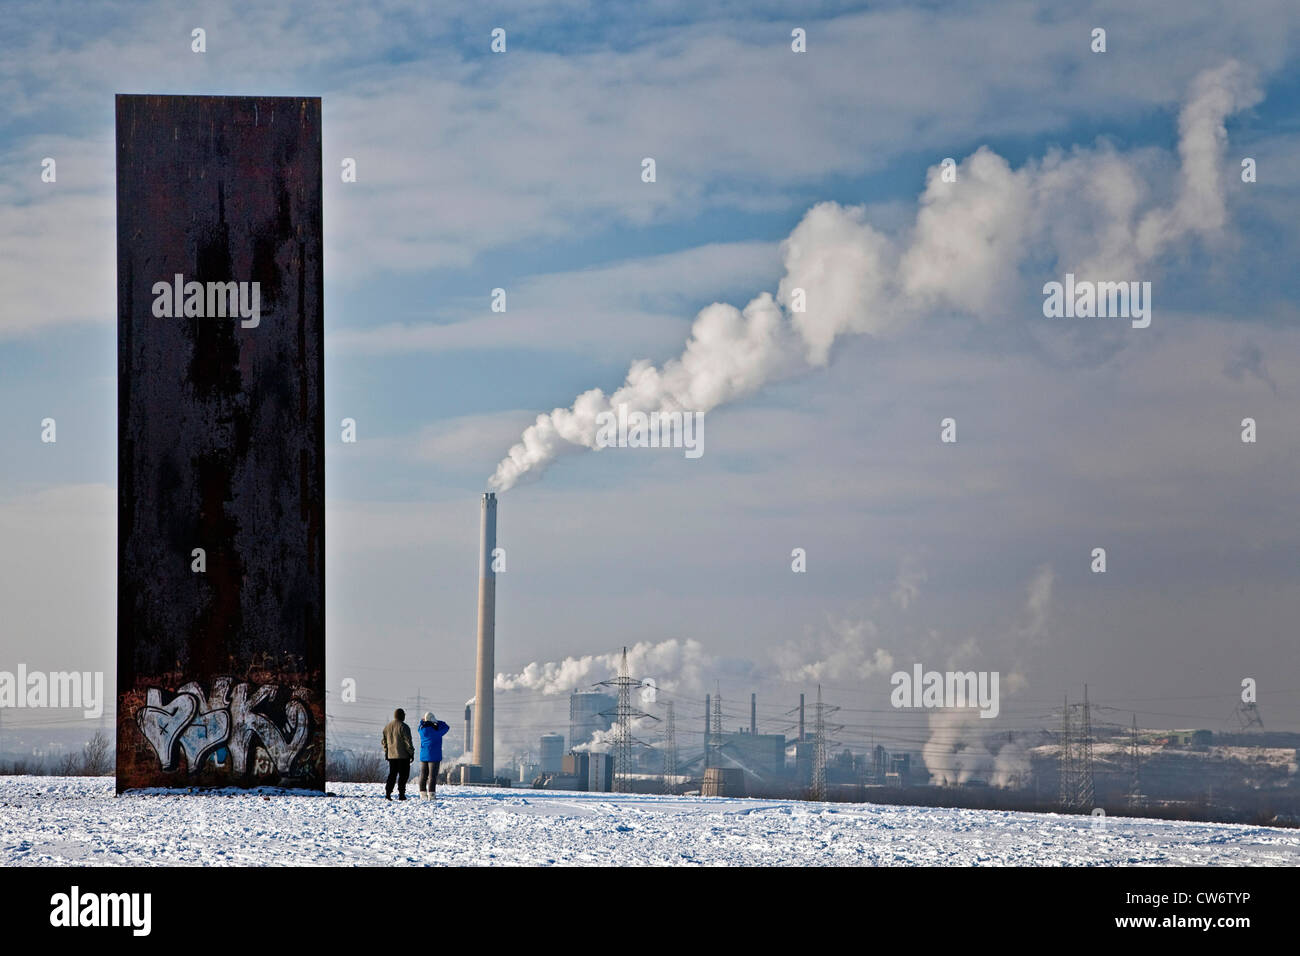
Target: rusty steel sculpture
(221, 432)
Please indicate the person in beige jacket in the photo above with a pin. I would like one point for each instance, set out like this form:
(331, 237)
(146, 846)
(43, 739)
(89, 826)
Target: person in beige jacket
(399, 751)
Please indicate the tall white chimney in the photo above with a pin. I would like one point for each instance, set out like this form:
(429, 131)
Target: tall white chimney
(487, 601)
(469, 732)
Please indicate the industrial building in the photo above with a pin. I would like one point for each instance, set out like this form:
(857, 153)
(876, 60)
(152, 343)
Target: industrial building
(580, 770)
(552, 752)
(760, 757)
(589, 712)
(723, 782)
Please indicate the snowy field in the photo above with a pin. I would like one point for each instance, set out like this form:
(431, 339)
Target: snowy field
(77, 820)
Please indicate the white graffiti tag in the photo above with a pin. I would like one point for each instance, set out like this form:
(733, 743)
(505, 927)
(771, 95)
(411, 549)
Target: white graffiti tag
(245, 724)
(202, 724)
(210, 727)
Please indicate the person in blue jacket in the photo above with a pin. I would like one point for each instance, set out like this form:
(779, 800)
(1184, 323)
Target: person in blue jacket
(431, 733)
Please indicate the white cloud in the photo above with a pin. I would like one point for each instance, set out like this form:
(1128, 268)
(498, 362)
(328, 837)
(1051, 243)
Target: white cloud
(459, 154)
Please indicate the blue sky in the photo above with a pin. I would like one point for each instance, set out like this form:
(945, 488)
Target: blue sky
(522, 170)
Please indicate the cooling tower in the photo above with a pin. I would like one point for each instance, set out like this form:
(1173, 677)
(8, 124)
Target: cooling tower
(487, 600)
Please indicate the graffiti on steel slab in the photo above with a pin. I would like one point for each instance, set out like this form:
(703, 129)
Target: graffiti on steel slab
(201, 725)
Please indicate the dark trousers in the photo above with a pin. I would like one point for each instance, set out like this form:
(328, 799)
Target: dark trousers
(399, 771)
(429, 776)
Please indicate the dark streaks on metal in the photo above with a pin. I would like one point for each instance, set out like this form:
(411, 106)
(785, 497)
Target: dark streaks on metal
(221, 435)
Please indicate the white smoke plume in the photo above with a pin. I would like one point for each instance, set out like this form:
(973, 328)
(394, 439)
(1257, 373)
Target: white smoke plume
(1037, 617)
(1038, 602)
(961, 750)
(849, 652)
(957, 749)
(955, 753)
(605, 741)
(1091, 210)
(675, 667)
(1011, 766)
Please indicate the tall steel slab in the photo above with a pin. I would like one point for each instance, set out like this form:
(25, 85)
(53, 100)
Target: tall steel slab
(221, 477)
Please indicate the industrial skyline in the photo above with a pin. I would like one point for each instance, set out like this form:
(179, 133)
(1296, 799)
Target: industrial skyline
(1071, 434)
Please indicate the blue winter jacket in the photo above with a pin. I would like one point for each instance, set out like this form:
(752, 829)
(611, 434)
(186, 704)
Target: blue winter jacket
(431, 740)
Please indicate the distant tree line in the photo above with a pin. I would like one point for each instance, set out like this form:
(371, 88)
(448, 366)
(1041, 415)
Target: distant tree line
(346, 766)
(95, 760)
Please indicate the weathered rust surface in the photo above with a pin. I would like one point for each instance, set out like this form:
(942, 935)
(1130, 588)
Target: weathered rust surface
(220, 674)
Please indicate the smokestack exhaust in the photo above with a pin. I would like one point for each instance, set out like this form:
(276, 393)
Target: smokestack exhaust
(487, 600)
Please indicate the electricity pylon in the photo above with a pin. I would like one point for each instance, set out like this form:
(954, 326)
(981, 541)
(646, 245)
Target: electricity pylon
(623, 716)
(670, 751)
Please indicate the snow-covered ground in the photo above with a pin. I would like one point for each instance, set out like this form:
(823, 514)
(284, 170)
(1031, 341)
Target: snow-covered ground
(77, 820)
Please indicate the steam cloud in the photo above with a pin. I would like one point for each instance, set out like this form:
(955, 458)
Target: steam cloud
(843, 654)
(958, 752)
(1090, 209)
(676, 666)
(958, 748)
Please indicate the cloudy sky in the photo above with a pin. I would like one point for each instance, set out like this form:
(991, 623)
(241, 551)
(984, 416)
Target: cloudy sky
(820, 170)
